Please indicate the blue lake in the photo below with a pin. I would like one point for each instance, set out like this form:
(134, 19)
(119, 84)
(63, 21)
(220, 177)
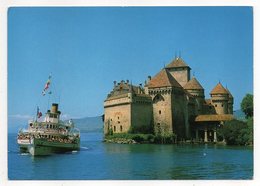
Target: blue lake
(101, 161)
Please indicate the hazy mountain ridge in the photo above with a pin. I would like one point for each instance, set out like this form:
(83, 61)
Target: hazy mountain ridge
(89, 124)
(86, 124)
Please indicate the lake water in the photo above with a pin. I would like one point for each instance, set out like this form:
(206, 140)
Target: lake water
(99, 161)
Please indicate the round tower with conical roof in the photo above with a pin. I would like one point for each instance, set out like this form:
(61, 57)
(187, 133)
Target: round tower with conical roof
(230, 102)
(196, 90)
(219, 99)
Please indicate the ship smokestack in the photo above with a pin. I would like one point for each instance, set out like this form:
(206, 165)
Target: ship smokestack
(54, 108)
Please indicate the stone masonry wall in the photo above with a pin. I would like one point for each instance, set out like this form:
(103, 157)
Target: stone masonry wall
(118, 118)
(180, 116)
(141, 114)
(162, 113)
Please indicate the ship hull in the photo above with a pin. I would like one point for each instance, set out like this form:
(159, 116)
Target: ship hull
(23, 144)
(40, 147)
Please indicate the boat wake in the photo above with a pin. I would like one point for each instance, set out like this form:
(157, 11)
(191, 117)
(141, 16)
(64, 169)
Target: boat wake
(84, 148)
(24, 154)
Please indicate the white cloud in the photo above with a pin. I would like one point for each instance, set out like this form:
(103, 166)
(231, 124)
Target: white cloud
(27, 117)
(20, 116)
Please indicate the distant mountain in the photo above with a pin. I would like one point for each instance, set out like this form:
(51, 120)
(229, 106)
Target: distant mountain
(239, 114)
(89, 124)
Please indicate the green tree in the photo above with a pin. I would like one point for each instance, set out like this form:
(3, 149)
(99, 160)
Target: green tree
(247, 105)
(235, 132)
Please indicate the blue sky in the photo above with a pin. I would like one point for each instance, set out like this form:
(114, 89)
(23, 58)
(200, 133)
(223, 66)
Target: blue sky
(86, 49)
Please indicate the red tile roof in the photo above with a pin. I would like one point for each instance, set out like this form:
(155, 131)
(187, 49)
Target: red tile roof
(177, 62)
(229, 94)
(193, 84)
(214, 117)
(219, 89)
(163, 79)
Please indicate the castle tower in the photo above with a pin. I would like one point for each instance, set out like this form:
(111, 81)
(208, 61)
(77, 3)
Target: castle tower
(230, 102)
(179, 70)
(196, 90)
(219, 99)
(168, 98)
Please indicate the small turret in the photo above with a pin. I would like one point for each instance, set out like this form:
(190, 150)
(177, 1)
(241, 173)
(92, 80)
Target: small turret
(230, 102)
(219, 99)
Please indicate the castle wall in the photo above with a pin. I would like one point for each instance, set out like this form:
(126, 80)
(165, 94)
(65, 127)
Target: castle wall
(162, 112)
(230, 108)
(181, 125)
(199, 100)
(117, 115)
(141, 114)
(230, 105)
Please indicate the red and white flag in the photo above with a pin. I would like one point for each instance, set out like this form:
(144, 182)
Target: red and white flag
(47, 85)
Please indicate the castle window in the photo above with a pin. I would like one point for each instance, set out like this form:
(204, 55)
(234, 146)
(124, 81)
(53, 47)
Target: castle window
(111, 119)
(216, 105)
(222, 105)
(121, 128)
(118, 122)
(114, 128)
(160, 112)
(117, 117)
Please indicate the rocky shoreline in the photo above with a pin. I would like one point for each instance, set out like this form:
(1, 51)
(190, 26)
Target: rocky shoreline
(120, 141)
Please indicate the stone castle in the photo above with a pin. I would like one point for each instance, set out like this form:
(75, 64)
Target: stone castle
(170, 102)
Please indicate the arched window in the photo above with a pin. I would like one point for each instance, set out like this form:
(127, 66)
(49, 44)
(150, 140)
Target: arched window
(121, 128)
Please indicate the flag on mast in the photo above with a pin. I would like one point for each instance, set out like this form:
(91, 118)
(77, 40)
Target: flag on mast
(39, 114)
(47, 85)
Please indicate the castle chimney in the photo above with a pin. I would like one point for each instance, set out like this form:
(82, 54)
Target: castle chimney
(148, 79)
